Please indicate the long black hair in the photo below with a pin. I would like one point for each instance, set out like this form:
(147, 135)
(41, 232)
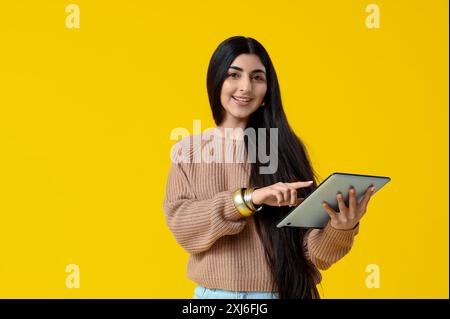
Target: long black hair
(293, 273)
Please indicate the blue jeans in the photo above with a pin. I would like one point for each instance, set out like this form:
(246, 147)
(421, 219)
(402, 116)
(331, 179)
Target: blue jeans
(201, 292)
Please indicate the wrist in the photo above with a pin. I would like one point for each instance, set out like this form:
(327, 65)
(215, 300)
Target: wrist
(256, 198)
(249, 199)
(343, 229)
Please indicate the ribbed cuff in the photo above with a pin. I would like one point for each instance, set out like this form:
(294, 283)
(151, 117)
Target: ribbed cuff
(337, 235)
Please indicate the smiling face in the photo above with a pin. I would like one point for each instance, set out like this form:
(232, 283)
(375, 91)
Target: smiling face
(244, 88)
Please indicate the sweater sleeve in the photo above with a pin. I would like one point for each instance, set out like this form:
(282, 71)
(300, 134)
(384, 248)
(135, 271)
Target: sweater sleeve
(198, 224)
(326, 246)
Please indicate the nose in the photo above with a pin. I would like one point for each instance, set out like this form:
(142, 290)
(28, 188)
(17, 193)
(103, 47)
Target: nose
(245, 84)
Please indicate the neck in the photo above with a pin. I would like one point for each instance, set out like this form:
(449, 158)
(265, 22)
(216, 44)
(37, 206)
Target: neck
(236, 126)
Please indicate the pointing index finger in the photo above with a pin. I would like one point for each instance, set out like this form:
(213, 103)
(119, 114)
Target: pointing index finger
(300, 184)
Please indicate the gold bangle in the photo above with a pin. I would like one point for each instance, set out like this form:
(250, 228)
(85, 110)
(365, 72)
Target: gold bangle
(240, 205)
(248, 198)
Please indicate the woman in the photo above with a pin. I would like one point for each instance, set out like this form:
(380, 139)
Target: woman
(224, 213)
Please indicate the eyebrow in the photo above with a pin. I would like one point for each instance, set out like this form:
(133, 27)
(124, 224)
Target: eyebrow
(240, 69)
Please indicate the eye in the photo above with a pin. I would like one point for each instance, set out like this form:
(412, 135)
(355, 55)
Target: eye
(232, 75)
(258, 78)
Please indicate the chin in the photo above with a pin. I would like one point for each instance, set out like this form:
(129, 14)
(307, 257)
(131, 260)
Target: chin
(241, 115)
(241, 112)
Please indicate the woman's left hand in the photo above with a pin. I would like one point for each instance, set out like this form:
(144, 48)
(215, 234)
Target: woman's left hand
(348, 217)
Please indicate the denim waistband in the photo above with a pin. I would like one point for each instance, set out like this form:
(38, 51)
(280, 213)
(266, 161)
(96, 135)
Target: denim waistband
(201, 292)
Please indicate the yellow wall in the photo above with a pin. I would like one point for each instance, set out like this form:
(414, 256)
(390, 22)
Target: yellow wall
(85, 118)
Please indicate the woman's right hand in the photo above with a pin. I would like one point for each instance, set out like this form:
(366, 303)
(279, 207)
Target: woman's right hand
(279, 194)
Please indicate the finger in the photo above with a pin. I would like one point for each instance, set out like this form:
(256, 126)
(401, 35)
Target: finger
(329, 210)
(278, 195)
(341, 203)
(284, 191)
(367, 193)
(365, 200)
(292, 195)
(352, 201)
(300, 184)
(289, 195)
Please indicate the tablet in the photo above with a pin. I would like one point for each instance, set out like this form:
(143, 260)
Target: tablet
(311, 214)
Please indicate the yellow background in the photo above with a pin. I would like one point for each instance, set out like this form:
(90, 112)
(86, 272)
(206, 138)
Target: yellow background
(85, 118)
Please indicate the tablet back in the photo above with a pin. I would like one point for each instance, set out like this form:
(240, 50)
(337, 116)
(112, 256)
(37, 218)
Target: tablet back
(311, 214)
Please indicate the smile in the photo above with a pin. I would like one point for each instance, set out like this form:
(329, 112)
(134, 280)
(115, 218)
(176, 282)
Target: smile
(241, 101)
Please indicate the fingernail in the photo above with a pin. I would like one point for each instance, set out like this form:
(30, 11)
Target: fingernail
(373, 188)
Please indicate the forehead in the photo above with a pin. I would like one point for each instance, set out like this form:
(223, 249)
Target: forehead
(248, 62)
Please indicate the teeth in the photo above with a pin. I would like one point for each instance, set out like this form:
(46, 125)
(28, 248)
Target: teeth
(240, 99)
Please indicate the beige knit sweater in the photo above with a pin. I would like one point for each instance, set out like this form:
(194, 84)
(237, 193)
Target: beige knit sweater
(224, 247)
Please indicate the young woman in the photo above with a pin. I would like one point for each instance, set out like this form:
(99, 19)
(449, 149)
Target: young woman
(224, 213)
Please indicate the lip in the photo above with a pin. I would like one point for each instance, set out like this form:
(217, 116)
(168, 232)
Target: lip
(243, 97)
(241, 103)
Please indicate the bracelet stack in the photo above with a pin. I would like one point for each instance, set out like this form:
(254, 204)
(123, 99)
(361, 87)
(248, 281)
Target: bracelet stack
(242, 199)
